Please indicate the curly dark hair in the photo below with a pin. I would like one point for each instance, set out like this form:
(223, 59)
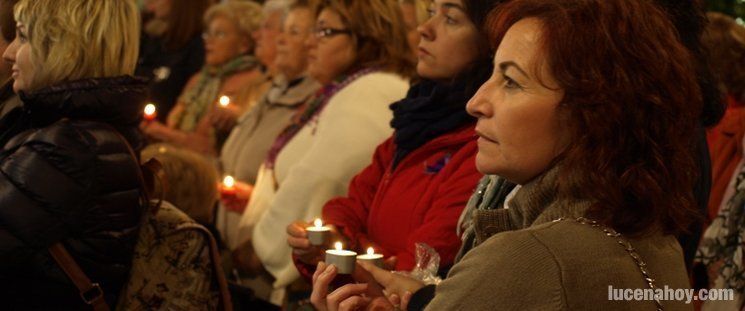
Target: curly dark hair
(633, 102)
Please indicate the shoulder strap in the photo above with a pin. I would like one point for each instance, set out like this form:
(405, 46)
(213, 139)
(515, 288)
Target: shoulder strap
(90, 292)
(222, 282)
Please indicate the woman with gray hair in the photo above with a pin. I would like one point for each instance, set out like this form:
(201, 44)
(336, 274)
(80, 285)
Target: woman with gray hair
(250, 140)
(225, 87)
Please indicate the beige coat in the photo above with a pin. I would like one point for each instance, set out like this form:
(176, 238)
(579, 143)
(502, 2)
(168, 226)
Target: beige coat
(530, 262)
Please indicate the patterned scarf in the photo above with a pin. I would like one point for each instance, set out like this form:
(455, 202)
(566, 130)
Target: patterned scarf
(198, 98)
(310, 111)
(721, 248)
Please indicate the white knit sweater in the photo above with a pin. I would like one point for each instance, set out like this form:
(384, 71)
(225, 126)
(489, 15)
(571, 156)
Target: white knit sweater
(317, 165)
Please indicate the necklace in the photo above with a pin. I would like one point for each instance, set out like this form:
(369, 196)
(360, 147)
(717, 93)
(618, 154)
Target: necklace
(629, 249)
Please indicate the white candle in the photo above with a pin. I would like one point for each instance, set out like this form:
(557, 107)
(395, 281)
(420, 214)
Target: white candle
(224, 101)
(318, 233)
(372, 257)
(342, 259)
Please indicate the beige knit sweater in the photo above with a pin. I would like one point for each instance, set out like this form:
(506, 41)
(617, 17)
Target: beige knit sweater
(528, 262)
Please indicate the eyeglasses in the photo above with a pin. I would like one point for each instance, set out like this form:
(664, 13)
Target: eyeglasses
(328, 32)
(219, 35)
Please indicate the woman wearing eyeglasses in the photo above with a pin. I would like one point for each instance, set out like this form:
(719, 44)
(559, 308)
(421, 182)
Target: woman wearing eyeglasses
(360, 54)
(230, 70)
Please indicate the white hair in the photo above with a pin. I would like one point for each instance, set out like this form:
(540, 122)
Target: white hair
(272, 6)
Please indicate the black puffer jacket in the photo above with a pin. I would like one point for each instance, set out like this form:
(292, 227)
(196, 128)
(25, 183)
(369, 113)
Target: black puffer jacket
(66, 175)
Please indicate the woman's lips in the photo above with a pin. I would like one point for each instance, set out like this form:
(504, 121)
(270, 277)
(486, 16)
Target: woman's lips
(423, 52)
(485, 138)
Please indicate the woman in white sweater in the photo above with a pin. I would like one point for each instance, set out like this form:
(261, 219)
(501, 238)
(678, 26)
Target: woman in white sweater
(359, 53)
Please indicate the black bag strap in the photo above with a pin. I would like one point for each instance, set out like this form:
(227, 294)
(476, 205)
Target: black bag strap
(92, 293)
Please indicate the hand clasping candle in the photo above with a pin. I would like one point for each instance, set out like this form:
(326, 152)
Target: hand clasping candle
(342, 259)
(318, 233)
(372, 257)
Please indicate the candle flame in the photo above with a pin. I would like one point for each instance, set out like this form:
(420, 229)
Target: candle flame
(149, 109)
(318, 223)
(337, 246)
(370, 251)
(224, 101)
(228, 181)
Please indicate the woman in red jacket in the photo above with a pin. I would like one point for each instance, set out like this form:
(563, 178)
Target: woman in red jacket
(420, 178)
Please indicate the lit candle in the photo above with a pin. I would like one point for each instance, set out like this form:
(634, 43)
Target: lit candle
(224, 101)
(228, 185)
(372, 257)
(318, 233)
(342, 259)
(150, 112)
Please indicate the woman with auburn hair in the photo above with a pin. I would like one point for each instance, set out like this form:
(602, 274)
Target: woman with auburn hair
(360, 55)
(172, 49)
(230, 69)
(68, 174)
(607, 97)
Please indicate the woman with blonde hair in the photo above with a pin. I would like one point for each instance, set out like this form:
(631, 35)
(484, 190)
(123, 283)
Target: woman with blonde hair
(70, 182)
(360, 54)
(226, 83)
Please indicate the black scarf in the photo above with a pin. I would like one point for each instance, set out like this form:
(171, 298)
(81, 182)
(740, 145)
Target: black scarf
(429, 110)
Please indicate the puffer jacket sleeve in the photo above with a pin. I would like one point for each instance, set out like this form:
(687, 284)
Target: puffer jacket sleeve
(45, 184)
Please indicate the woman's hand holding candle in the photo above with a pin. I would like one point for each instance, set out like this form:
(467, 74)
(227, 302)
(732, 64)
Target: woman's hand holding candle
(302, 247)
(348, 297)
(369, 294)
(225, 114)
